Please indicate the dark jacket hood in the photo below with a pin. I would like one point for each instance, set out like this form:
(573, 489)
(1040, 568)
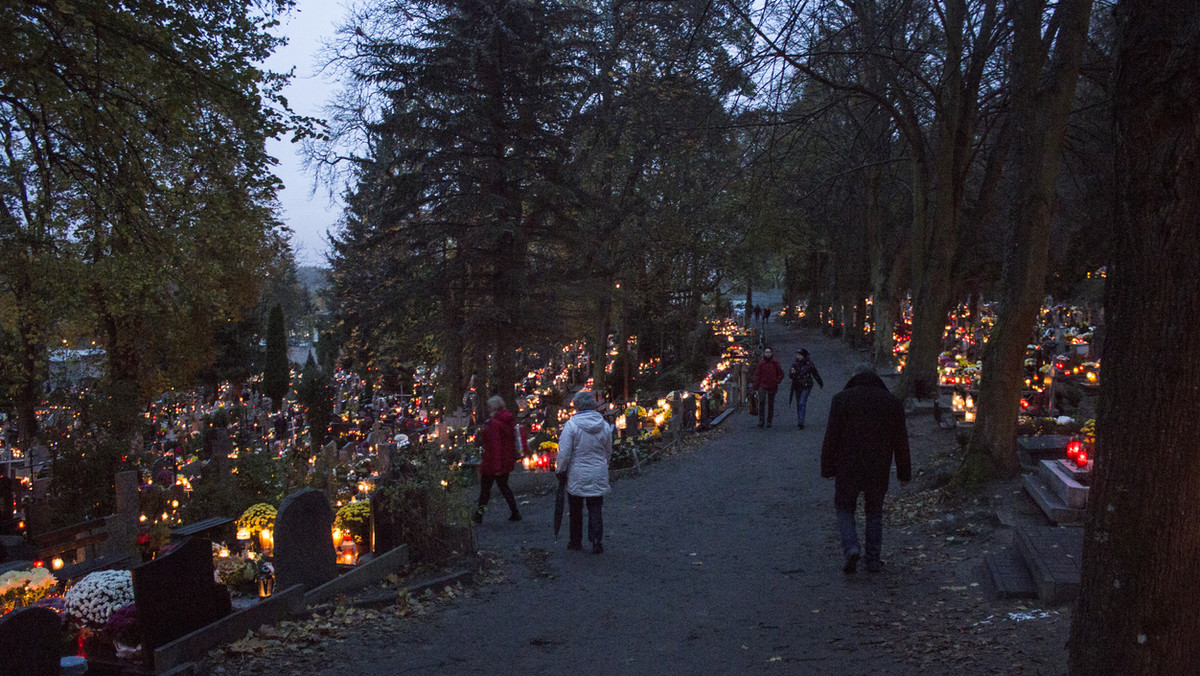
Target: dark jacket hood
(867, 379)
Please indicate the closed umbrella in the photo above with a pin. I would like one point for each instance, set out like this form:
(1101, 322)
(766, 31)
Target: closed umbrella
(559, 502)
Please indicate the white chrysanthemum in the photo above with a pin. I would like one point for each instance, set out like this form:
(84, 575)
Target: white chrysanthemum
(96, 597)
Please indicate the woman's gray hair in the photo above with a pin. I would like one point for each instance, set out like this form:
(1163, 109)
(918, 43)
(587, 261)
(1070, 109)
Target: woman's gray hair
(496, 403)
(584, 401)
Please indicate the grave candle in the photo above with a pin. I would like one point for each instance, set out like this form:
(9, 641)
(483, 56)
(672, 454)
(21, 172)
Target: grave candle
(1082, 459)
(1074, 448)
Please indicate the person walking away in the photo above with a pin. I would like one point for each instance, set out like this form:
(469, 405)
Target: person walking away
(767, 377)
(499, 457)
(802, 372)
(584, 450)
(865, 434)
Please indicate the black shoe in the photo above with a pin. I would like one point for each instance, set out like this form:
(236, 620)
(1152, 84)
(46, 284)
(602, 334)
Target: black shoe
(597, 548)
(800, 425)
(575, 546)
(515, 516)
(851, 563)
(477, 517)
(874, 566)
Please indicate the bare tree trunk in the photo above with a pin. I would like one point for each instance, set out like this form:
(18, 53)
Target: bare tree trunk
(1039, 114)
(1137, 611)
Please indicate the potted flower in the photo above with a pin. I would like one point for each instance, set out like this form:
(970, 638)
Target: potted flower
(93, 600)
(20, 588)
(259, 520)
(121, 629)
(354, 518)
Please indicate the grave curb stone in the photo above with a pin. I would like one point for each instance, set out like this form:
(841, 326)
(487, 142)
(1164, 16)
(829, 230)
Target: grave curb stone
(359, 576)
(278, 606)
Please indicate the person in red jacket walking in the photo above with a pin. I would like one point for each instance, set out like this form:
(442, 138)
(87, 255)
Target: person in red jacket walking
(498, 439)
(767, 377)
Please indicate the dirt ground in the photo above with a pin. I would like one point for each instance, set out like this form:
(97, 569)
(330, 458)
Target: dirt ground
(721, 558)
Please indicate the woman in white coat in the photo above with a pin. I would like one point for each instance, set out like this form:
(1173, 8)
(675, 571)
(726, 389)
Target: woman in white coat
(584, 449)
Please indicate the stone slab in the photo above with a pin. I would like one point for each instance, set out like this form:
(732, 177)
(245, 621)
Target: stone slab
(1031, 449)
(232, 627)
(1010, 575)
(1061, 480)
(1054, 556)
(360, 576)
(1052, 505)
(30, 641)
(721, 418)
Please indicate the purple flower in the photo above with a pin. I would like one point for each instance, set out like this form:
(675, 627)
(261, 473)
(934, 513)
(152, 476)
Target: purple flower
(122, 623)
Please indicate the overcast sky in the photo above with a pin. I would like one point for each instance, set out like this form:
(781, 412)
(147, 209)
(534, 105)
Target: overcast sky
(310, 214)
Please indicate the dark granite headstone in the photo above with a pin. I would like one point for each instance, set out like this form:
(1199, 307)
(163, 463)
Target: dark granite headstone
(303, 544)
(176, 594)
(30, 642)
(385, 526)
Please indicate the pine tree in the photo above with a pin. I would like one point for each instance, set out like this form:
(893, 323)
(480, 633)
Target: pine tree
(276, 376)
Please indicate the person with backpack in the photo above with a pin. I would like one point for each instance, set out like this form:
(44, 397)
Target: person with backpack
(802, 372)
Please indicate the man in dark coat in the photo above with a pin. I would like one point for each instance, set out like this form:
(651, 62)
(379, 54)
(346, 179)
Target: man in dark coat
(767, 377)
(866, 432)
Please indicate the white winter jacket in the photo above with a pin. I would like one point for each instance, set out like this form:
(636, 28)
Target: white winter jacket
(584, 449)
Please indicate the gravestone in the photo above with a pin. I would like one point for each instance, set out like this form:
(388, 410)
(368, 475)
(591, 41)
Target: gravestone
(123, 524)
(176, 594)
(30, 641)
(347, 452)
(385, 459)
(385, 524)
(303, 543)
(687, 414)
(40, 488)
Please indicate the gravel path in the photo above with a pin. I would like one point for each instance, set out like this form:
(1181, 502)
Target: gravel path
(725, 560)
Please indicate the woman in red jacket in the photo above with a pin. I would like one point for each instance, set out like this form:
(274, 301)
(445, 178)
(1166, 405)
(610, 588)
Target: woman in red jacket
(498, 439)
(767, 377)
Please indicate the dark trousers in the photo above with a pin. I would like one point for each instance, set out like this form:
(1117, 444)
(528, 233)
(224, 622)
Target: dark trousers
(595, 509)
(848, 530)
(766, 404)
(485, 493)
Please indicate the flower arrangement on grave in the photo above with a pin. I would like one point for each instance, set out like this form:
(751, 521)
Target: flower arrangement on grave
(150, 539)
(121, 629)
(543, 459)
(354, 517)
(96, 597)
(257, 518)
(235, 572)
(20, 588)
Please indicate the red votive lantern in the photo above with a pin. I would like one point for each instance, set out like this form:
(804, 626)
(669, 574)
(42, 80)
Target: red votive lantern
(1074, 448)
(1082, 459)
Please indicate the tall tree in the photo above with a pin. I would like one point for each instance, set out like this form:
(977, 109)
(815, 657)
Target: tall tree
(276, 369)
(1042, 92)
(463, 105)
(1137, 610)
(135, 160)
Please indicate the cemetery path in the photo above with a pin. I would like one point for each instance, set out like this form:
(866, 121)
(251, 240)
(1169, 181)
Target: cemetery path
(725, 560)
